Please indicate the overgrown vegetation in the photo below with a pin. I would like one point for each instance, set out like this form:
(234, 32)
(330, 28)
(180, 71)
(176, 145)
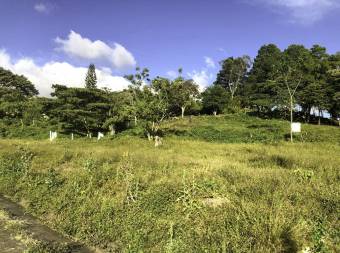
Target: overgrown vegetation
(223, 183)
(241, 128)
(192, 196)
(288, 84)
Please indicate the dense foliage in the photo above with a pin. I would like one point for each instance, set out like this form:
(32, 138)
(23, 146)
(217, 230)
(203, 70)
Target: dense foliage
(91, 77)
(292, 83)
(222, 183)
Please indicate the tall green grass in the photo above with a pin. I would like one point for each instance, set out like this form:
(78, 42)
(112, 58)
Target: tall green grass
(229, 128)
(241, 128)
(124, 195)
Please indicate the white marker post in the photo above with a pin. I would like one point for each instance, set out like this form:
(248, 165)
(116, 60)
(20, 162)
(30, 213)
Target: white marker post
(53, 135)
(295, 128)
(100, 135)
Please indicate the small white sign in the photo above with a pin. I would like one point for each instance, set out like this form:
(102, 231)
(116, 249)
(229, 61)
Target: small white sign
(296, 127)
(100, 135)
(53, 135)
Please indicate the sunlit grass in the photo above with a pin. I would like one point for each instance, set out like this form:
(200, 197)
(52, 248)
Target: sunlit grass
(189, 195)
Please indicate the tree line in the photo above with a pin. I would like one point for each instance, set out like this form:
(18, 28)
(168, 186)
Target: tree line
(287, 83)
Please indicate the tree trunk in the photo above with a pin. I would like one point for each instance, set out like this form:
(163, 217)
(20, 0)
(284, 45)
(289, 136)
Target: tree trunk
(291, 118)
(215, 113)
(158, 141)
(135, 120)
(149, 136)
(319, 120)
(112, 130)
(183, 110)
(153, 127)
(308, 114)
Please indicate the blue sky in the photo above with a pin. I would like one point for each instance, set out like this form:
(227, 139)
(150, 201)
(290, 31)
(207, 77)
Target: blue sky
(54, 41)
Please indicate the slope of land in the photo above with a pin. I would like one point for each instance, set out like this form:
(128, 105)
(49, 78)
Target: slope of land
(241, 128)
(193, 194)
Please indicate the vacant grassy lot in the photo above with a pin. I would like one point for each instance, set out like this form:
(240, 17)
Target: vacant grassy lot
(189, 195)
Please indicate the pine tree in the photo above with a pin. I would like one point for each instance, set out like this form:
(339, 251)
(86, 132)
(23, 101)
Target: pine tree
(91, 78)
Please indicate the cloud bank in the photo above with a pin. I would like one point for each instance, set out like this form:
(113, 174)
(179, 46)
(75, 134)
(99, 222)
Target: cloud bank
(44, 8)
(302, 11)
(172, 74)
(58, 73)
(83, 48)
(209, 62)
(202, 78)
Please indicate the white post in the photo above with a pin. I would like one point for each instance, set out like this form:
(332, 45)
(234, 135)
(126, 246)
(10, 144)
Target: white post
(100, 135)
(53, 135)
(72, 136)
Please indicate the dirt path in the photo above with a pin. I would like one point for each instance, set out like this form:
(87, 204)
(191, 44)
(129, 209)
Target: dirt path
(21, 232)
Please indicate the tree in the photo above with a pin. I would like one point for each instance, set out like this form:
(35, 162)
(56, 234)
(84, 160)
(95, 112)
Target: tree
(17, 83)
(261, 90)
(91, 78)
(294, 72)
(80, 110)
(313, 93)
(33, 110)
(119, 114)
(183, 93)
(233, 73)
(137, 80)
(153, 109)
(215, 99)
(14, 91)
(333, 78)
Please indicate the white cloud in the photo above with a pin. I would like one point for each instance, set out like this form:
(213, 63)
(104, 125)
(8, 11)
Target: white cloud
(43, 7)
(303, 11)
(172, 74)
(201, 78)
(58, 73)
(209, 62)
(79, 47)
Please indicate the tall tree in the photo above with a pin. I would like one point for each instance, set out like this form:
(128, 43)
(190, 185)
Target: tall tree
(334, 86)
(137, 80)
(233, 73)
(183, 93)
(91, 77)
(313, 93)
(15, 90)
(215, 99)
(17, 83)
(80, 110)
(153, 109)
(294, 73)
(119, 114)
(261, 91)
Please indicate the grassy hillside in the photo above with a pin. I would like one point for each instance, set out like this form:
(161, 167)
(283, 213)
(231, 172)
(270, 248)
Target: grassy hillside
(243, 128)
(202, 191)
(231, 128)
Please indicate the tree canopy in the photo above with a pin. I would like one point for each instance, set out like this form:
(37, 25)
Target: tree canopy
(91, 77)
(277, 83)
